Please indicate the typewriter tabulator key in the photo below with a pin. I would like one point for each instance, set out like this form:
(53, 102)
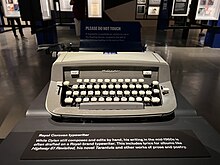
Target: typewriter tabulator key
(147, 73)
(74, 72)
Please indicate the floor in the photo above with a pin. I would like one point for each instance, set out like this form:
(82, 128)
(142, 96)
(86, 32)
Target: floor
(23, 74)
(24, 71)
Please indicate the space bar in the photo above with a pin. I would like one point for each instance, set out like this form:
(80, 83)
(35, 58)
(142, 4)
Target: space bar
(111, 106)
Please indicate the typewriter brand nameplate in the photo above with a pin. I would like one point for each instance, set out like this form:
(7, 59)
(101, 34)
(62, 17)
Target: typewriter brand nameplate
(113, 144)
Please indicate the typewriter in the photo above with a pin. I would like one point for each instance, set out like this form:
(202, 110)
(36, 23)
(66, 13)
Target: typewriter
(110, 85)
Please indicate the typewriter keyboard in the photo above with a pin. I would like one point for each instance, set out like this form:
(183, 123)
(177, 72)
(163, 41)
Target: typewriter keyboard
(111, 93)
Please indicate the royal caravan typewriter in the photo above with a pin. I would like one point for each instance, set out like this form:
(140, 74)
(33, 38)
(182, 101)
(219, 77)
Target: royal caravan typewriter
(110, 85)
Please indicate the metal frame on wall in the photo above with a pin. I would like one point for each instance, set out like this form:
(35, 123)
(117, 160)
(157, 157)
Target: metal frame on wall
(45, 9)
(94, 8)
(208, 10)
(141, 9)
(63, 5)
(11, 8)
(181, 7)
(147, 9)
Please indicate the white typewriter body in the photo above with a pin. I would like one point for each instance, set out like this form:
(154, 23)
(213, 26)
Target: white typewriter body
(110, 85)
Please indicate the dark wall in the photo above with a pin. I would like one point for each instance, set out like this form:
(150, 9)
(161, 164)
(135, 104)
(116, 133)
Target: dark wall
(113, 3)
